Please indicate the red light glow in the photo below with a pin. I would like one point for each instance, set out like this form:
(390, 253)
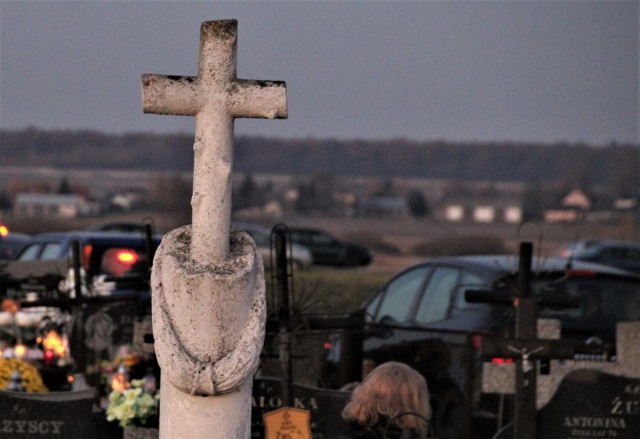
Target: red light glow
(53, 344)
(127, 257)
(86, 256)
(580, 273)
(502, 360)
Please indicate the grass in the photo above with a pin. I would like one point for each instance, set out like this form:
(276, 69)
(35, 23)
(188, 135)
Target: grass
(330, 290)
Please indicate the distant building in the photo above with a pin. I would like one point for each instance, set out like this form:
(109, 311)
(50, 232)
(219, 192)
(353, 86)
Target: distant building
(454, 212)
(482, 209)
(53, 205)
(570, 209)
(384, 206)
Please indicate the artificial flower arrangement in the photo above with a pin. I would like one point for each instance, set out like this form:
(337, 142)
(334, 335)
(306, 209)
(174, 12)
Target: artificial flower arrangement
(30, 377)
(126, 366)
(133, 405)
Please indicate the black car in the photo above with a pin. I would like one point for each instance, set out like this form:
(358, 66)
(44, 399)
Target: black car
(421, 317)
(113, 261)
(621, 254)
(12, 244)
(114, 294)
(327, 250)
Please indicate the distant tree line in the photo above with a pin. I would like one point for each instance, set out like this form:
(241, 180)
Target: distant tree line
(576, 163)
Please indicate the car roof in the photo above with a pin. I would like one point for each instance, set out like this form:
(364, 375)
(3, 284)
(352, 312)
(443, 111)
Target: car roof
(308, 229)
(582, 244)
(250, 226)
(16, 237)
(119, 226)
(611, 243)
(504, 264)
(95, 236)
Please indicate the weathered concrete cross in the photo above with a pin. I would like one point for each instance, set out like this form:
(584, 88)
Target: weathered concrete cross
(215, 97)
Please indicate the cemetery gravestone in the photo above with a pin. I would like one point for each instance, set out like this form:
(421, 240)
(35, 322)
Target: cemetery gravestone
(325, 406)
(590, 404)
(64, 415)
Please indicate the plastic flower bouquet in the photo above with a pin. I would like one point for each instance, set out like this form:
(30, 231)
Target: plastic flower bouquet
(132, 406)
(30, 377)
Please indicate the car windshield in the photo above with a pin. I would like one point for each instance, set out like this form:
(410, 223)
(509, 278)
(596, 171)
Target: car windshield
(321, 239)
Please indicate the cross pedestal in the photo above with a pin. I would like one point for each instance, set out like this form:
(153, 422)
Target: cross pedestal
(208, 304)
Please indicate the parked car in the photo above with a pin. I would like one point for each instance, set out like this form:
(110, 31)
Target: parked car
(327, 250)
(119, 226)
(114, 261)
(11, 244)
(621, 254)
(421, 317)
(299, 255)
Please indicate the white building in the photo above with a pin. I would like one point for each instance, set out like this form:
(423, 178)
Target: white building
(52, 205)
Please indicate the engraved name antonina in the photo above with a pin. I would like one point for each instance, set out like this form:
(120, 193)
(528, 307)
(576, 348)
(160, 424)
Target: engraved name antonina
(594, 422)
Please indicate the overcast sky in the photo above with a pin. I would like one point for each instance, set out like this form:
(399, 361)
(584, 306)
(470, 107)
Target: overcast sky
(542, 71)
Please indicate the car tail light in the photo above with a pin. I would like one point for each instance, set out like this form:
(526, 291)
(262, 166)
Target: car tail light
(502, 360)
(4, 230)
(476, 340)
(580, 273)
(86, 256)
(127, 257)
(119, 261)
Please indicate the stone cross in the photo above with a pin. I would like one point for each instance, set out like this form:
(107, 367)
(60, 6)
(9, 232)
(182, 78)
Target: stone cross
(215, 97)
(207, 281)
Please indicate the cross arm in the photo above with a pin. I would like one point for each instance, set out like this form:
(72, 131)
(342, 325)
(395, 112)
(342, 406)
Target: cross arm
(258, 99)
(494, 347)
(177, 95)
(505, 296)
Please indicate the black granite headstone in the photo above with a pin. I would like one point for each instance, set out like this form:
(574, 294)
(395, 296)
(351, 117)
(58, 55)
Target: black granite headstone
(325, 406)
(65, 415)
(591, 404)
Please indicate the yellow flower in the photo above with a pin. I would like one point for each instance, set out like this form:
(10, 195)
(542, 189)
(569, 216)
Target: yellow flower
(31, 378)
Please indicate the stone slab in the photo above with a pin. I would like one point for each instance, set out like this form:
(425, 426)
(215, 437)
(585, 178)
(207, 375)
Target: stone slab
(65, 415)
(592, 404)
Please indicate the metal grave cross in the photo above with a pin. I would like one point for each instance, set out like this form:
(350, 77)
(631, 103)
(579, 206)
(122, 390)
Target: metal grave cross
(215, 97)
(525, 348)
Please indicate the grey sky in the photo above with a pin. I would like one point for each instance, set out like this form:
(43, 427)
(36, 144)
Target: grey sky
(485, 70)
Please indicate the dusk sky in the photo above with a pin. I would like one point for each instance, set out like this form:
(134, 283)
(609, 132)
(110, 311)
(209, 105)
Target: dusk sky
(540, 71)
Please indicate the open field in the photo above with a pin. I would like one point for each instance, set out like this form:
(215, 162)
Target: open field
(406, 233)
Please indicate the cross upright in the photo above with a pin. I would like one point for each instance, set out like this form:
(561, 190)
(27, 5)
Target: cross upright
(215, 97)
(526, 348)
